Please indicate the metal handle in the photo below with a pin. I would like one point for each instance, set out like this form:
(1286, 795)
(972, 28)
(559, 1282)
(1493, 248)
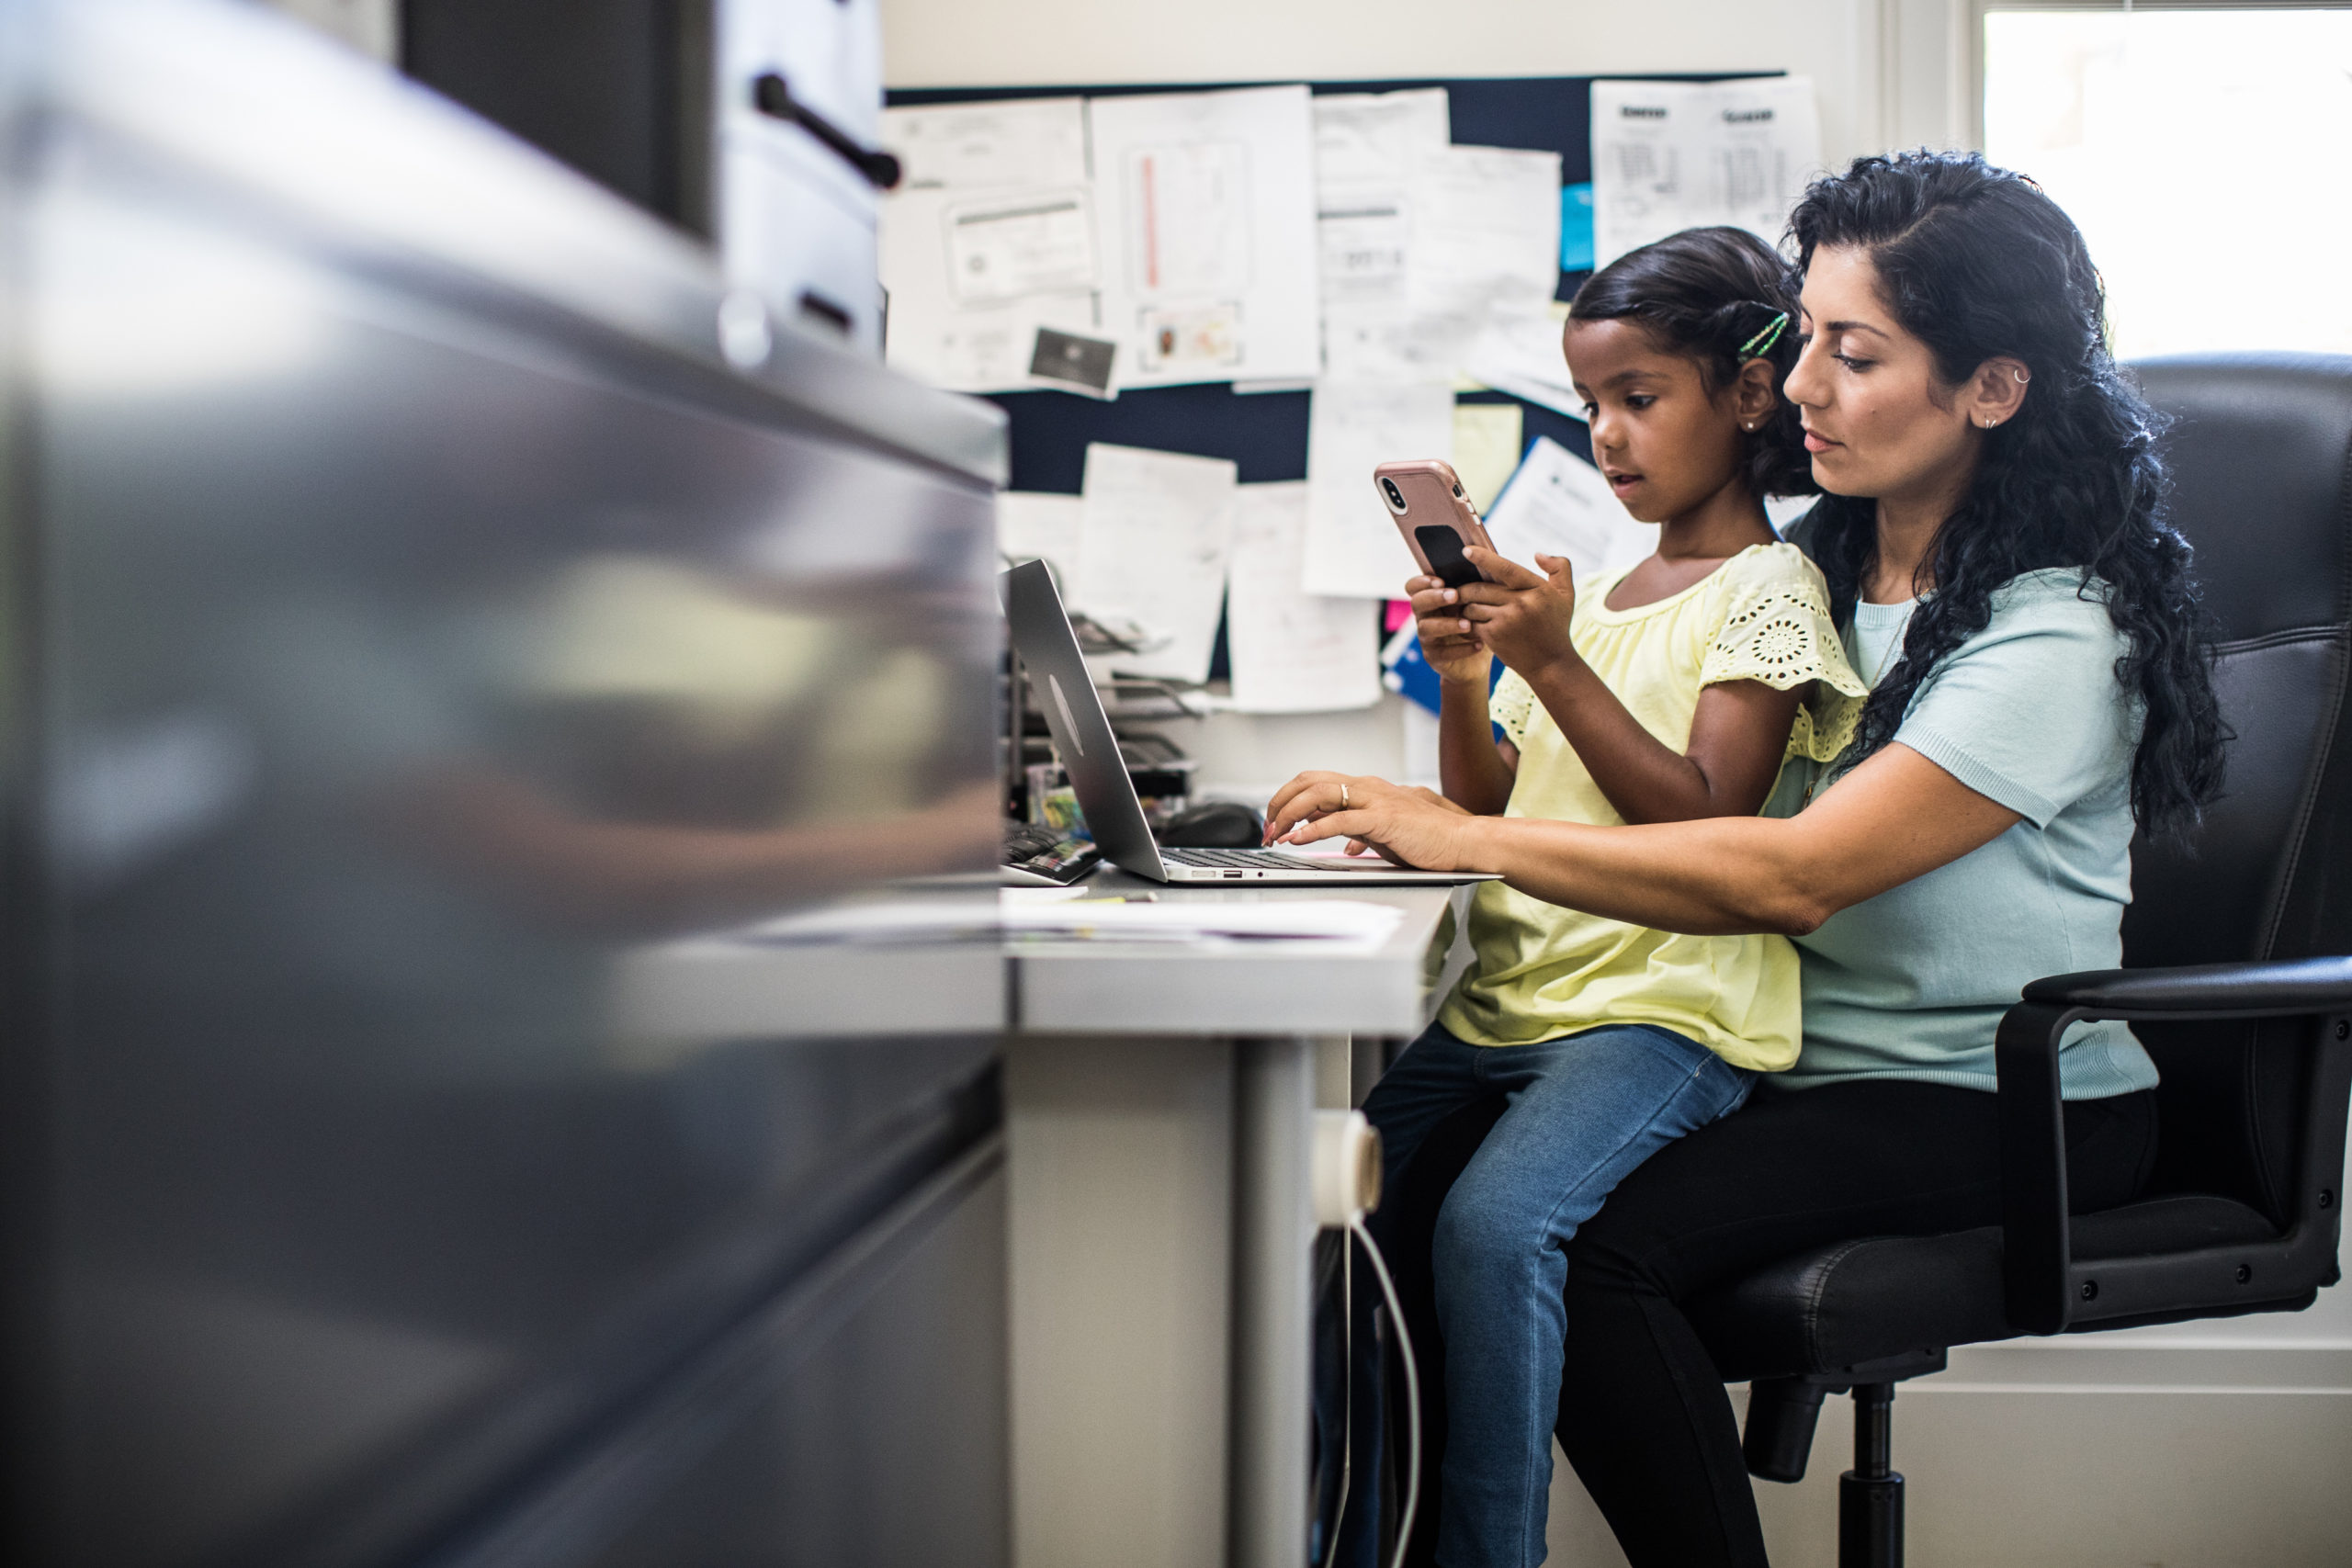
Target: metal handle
(772, 95)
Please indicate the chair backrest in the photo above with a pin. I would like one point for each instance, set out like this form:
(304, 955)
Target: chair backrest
(2260, 449)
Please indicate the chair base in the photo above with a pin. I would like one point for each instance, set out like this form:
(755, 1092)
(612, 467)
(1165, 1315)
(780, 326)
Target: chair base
(1782, 1413)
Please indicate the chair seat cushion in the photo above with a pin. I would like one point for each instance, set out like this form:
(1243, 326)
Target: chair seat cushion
(1880, 1296)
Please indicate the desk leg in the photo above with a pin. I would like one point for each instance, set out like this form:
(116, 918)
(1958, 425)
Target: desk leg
(1120, 1156)
(1273, 1236)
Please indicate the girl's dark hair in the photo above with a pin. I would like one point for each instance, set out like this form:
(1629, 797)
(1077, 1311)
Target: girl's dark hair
(1701, 294)
(1977, 262)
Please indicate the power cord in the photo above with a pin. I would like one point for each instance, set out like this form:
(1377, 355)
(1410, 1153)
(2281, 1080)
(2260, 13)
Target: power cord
(1346, 1165)
(1412, 1392)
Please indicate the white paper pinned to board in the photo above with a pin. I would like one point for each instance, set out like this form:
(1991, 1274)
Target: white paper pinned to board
(1155, 538)
(1558, 505)
(1674, 155)
(1012, 141)
(1206, 209)
(1292, 652)
(1352, 546)
(991, 236)
(1043, 525)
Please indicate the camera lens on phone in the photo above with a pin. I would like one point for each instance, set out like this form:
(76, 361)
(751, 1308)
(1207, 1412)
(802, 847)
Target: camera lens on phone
(1395, 496)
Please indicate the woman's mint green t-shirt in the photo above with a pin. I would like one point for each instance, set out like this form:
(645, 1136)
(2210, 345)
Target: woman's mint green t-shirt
(1912, 983)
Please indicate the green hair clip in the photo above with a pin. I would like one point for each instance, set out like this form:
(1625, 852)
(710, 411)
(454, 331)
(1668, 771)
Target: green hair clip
(1762, 344)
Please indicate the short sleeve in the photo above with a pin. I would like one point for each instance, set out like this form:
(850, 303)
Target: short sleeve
(1777, 629)
(2027, 712)
(1512, 706)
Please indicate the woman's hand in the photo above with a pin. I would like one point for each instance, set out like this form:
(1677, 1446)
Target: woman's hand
(1446, 640)
(1411, 827)
(1523, 617)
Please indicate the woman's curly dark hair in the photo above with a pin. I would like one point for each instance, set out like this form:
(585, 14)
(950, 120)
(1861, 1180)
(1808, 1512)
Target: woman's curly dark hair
(1977, 262)
(1701, 294)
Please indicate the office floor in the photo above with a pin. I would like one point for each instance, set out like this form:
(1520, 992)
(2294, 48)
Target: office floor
(2013, 1464)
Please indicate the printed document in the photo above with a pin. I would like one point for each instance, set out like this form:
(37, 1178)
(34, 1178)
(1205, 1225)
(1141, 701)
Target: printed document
(1206, 214)
(1352, 546)
(1672, 155)
(1558, 505)
(1480, 236)
(1153, 549)
(991, 237)
(1292, 652)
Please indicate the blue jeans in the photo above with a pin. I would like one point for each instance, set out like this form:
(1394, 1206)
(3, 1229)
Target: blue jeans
(1584, 1110)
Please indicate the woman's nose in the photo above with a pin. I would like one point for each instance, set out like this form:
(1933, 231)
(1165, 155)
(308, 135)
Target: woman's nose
(1805, 383)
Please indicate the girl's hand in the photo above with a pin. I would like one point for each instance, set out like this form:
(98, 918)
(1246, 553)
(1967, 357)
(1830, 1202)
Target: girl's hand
(1408, 827)
(1446, 640)
(1521, 616)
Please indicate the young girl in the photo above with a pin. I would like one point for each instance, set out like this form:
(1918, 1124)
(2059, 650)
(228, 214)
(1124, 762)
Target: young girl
(1667, 691)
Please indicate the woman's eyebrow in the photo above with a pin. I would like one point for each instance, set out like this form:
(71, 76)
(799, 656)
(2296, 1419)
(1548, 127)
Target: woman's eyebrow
(1856, 327)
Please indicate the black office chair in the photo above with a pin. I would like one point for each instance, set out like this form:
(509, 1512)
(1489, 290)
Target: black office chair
(2229, 987)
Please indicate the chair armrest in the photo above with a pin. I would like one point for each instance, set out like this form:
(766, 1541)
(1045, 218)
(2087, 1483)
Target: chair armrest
(2037, 1251)
(2203, 991)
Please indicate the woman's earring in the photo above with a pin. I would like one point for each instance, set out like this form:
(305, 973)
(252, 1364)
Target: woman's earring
(1988, 422)
(2022, 376)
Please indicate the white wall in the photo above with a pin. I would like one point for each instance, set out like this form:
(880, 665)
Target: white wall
(969, 42)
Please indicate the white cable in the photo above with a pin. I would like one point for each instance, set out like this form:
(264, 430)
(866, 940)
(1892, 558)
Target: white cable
(1412, 1393)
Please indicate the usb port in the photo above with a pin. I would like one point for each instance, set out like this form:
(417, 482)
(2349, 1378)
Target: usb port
(1232, 873)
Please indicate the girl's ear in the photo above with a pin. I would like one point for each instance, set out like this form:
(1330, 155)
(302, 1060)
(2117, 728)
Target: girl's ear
(1753, 398)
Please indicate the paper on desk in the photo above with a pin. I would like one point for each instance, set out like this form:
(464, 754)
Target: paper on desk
(1042, 525)
(1017, 142)
(1558, 505)
(1487, 443)
(1153, 550)
(1352, 546)
(1206, 216)
(1292, 652)
(1333, 925)
(1672, 155)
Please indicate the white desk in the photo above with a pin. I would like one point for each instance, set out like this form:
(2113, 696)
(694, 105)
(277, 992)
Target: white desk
(1160, 1104)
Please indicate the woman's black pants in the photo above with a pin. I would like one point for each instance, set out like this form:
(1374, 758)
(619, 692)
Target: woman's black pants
(1644, 1416)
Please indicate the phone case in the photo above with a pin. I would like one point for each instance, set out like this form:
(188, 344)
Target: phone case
(1426, 494)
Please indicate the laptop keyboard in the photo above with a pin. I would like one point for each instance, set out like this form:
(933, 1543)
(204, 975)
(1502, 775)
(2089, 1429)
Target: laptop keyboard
(1263, 860)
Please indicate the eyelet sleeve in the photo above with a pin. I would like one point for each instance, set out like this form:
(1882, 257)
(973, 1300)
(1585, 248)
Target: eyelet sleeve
(1777, 629)
(1512, 706)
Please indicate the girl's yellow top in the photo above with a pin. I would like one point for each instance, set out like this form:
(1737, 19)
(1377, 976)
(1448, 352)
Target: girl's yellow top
(1542, 971)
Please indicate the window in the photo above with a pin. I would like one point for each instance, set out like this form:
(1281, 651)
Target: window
(2206, 155)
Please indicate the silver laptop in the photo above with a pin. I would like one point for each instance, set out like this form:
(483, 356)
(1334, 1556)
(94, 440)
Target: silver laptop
(1089, 753)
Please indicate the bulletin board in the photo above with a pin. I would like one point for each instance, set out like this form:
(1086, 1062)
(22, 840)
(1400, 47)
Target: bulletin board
(1266, 433)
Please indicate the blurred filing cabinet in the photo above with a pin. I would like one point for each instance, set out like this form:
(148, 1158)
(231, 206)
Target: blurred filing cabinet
(749, 121)
(417, 630)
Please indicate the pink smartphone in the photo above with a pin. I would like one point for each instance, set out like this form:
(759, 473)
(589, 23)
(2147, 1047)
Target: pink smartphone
(1434, 514)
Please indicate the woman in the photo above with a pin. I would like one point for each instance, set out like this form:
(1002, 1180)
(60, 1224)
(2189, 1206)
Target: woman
(1992, 542)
